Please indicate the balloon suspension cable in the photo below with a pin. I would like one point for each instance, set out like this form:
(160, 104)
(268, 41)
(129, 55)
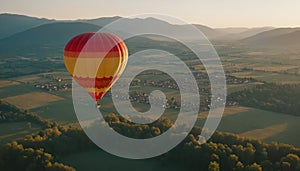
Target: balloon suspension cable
(98, 105)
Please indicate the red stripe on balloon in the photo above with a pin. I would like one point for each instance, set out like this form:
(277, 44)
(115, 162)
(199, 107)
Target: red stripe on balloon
(90, 42)
(96, 96)
(95, 82)
(111, 54)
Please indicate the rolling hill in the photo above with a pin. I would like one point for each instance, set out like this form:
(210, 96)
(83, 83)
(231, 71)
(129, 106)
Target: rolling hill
(241, 33)
(30, 36)
(44, 40)
(13, 23)
(48, 40)
(281, 38)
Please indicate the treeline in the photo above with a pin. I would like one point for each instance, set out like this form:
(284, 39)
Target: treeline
(224, 151)
(28, 154)
(274, 97)
(10, 113)
(42, 151)
(15, 157)
(138, 131)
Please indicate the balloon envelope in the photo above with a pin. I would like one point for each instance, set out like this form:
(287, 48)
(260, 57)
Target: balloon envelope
(96, 61)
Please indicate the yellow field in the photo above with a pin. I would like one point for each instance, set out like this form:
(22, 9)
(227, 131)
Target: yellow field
(234, 110)
(28, 79)
(4, 83)
(227, 112)
(274, 68)
(265, 132)
(32, 100)
(245, 75)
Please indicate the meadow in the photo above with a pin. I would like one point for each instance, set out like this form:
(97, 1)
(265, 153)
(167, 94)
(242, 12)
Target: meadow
(261, 124)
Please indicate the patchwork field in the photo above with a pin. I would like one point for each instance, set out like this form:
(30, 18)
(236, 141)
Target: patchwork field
(57, 106)
(260, 124)
(269, 77)
(4, 83)
(17, 89)
(59, 111)
(26, 79)
(32, 100)
(275, 68)
(267, 132)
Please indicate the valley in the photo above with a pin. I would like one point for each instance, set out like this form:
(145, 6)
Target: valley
(262, 68)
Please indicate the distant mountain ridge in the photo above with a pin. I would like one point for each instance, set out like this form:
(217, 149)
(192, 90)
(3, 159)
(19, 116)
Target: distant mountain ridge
(280, 38)
(23, 35)
(14, 23)
(47, 39)
(242, 33)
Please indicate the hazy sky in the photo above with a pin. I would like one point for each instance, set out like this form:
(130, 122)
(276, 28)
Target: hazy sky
(214, 13)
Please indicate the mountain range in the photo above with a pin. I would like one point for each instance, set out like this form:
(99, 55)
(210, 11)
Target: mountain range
(21, 34)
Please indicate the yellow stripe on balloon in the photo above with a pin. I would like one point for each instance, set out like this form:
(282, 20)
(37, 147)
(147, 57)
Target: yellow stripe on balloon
(97, 89)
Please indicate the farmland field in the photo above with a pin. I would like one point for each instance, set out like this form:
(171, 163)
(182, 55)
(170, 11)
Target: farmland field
(269, 126)
(270, 77)
(246, 121)
(32, 100)
(17, 89)
(59, 111)
(4, 83)
(264, 133)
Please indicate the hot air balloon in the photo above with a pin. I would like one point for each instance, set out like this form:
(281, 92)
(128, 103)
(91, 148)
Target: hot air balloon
(100, 59)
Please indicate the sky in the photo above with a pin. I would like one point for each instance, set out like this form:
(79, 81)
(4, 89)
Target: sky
(213, 13)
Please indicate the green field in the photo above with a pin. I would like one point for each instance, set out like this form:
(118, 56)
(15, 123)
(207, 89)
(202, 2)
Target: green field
(238, 87)
(100, 160)
(285, 130)
(14, 130)
(15, 90)
(59, 111)
(264, 124)
(269, 126)
(265, 66)
(270, 77)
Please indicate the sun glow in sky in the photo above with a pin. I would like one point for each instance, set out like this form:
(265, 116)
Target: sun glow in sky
(213, 13)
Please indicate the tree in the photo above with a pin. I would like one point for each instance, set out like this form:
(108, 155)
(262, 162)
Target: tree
(293, 160)
(59, 167)
(285, 166)
(232, 161)
(253, 167)
(213, 166)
